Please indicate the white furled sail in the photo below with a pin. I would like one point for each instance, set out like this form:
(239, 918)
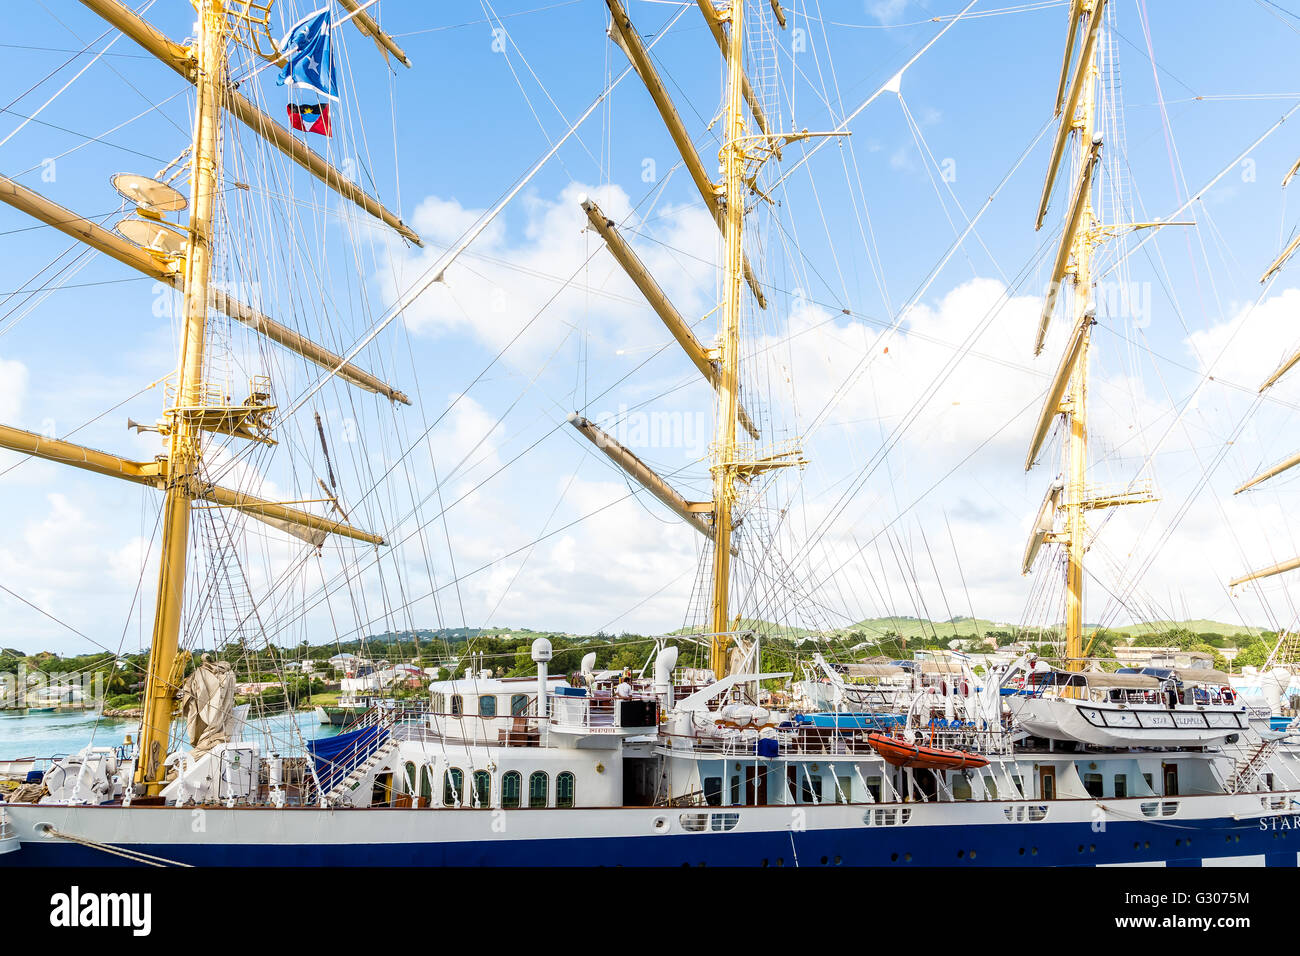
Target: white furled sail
(207, 702)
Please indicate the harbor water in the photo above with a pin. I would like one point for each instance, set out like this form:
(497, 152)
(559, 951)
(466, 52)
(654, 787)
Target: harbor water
(66, 732)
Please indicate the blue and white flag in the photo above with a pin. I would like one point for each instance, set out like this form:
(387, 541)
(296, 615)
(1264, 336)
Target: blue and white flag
(310, 59)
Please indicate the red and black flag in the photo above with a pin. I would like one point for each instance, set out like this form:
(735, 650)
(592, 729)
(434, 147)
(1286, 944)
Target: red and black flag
(310, 117)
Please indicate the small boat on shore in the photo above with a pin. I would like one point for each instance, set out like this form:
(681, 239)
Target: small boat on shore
(900, 753)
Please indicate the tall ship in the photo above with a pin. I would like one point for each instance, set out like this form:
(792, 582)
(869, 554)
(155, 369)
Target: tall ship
(690, 759)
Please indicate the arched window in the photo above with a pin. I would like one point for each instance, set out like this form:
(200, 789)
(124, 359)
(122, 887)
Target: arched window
(564, 790)
(410, 777)
(453, 783)
(518, 705)
(482, 788)
(487, 706)
(539, 786)
(511, 783)
(457, 705)
(426, 785)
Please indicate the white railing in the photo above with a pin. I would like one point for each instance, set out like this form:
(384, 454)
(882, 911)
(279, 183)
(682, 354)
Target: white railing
(602, 714)
(797, 744)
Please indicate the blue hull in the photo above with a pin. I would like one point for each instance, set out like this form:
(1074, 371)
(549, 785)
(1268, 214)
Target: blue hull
(1188, 843)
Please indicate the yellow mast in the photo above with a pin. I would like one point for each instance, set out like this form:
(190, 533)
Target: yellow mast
(724, 450)
(194, 409)
(185, 450)
(1067, 396)
(1076, 449)
(740, 158)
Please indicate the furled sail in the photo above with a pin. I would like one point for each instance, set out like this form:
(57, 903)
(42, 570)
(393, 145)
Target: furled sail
(207, 702)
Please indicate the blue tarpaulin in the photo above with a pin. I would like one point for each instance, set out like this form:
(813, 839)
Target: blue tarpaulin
(850, 721)
(336, 757)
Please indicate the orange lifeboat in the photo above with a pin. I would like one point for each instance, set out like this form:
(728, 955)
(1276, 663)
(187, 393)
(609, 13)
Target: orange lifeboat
(900, 753)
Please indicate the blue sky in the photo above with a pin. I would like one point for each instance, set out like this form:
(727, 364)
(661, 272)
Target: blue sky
(446, 139)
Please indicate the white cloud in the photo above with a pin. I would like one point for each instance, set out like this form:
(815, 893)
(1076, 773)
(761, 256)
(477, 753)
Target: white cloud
(495, 288)
(888, 11)
(632, 564)
(13, 389)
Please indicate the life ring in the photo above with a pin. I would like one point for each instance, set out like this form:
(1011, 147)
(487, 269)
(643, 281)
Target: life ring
(1227, 694)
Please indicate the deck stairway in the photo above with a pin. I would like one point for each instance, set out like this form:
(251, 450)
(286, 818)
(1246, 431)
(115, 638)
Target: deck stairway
(340, 793)
(1248, 767)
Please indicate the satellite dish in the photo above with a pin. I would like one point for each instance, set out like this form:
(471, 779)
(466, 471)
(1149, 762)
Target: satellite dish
(154, 236)
(149, 194)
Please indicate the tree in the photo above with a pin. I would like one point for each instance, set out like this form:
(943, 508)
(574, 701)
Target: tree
(1220, 662)
(1253, 655)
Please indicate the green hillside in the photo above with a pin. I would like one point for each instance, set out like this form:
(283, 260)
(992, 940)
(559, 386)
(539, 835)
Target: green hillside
(1199, 626)
(913, 628)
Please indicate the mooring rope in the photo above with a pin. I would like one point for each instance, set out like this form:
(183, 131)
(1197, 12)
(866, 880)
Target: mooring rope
(135, 856)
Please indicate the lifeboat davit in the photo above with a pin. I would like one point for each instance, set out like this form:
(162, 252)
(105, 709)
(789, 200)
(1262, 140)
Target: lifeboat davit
(900, 753)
